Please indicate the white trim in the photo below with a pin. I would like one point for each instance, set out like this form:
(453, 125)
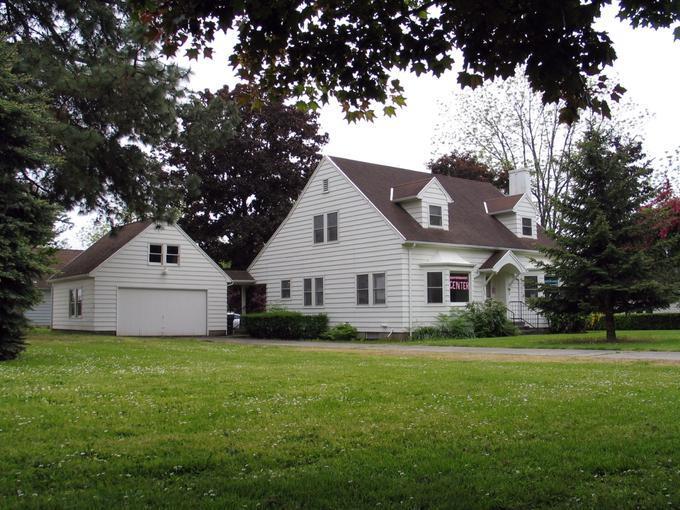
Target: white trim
(508, 258)
(439, 185)
(471, 246)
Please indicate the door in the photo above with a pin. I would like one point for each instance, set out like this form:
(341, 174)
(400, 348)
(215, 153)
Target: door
(162, 312)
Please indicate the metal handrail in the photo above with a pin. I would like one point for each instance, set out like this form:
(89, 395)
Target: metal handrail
(520, 310)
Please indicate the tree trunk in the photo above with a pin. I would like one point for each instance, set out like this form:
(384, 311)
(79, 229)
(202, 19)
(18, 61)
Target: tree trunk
(610, 326)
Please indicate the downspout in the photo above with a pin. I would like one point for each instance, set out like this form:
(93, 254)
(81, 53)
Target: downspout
(410, 326)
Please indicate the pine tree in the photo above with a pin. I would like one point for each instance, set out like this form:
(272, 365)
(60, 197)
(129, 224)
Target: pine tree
(25, 220)
(596, 255)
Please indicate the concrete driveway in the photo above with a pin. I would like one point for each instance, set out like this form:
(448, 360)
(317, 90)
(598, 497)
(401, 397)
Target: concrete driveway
(469, 352)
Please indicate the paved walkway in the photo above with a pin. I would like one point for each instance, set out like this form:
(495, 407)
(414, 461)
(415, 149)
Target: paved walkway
(477, 352)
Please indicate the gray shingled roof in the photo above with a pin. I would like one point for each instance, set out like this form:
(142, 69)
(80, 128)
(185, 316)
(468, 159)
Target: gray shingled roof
(239, 275)
(102, 250)
(469, 224)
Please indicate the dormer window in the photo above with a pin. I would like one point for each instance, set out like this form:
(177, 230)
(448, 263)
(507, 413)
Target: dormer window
(527, 227)
(435, 216)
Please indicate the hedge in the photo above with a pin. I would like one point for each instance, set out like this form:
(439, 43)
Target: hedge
(643, 321)
(285, 325)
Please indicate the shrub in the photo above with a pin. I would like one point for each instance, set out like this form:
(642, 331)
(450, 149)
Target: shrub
(490, 319)
(566, 322)
(643, 321)
(341, 332)
(455, 324)
(427, 333)
(285, 325)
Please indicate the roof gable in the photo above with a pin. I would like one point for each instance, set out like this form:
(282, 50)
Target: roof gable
(469, 223)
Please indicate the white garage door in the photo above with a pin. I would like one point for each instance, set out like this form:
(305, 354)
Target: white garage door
(160, 312)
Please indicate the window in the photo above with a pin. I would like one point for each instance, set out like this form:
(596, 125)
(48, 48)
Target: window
(530, 287)
(325, 185)
(318, 291)
(435, 216)
(307, 291)
(155, 253)
(553, 281)
(527, 228)
(285, 289)
(459, 285)
(379, 288)
(75, 303)
(332, 227)
(172, 254)
(362, 289)
(434, 288)
(318, 229)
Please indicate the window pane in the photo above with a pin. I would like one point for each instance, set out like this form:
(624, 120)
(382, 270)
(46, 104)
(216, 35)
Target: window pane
(435, 215)
(530, 286)
(435, 293)
(551, 280)
(308, 291)
(459, 285)
(285, 289)
(318, 291)
(172, 254)
(362, 289)
(332, 226)
(379, 289)
(71, 303)
(527, 228)
(318, 229)
(155, 251)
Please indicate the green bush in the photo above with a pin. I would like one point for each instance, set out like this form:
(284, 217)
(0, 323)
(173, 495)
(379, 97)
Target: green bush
(566, 322)
(426, 333)
(643, 321)
(490, 319)
(454, 324)
(285, 325)
(341, 332)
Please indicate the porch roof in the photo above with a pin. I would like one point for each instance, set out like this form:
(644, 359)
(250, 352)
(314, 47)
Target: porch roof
(240, 276)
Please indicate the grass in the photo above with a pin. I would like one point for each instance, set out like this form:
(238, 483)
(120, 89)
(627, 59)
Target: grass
(656, 340)
(94, 421)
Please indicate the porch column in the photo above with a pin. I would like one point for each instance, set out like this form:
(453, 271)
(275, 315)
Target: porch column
(243, 299)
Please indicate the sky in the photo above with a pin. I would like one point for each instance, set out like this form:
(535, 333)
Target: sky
(648, 66)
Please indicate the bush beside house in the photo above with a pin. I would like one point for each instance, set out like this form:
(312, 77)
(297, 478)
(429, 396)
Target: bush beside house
(478, 320)
(285, 325)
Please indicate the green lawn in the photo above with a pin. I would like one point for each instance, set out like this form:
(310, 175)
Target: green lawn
(92, 421)
(661, 340)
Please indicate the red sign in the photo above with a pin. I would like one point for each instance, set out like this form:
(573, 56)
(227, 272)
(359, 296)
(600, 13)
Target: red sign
(459, 282)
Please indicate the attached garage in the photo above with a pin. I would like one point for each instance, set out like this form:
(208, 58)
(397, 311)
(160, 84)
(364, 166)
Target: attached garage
(162, 312)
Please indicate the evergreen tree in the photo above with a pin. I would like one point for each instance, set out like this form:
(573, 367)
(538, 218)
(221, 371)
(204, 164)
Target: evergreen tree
(25, 220)
(596, 255)
(111, 97)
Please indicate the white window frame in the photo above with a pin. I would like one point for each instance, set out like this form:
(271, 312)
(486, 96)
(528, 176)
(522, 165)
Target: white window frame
(322, 229)
(337, 226)
(148, 254)
(316, 291)
(165, 255)
(440, 216)
(75, 298)
(367, 289)
(384, 289)
(305, 292)
(427, 288)
(531, 227)
(534, 289)
(290, 293)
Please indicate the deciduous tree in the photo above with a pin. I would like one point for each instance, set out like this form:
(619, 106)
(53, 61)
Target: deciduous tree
(248, 167)
(315, 50)
(468, 166)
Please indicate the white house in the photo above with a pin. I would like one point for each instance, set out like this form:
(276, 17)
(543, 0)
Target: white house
(388, 249)
(41, 314)
(142, 279)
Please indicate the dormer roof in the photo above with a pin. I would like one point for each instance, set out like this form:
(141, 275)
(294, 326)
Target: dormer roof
(502, 204)
(415, 189)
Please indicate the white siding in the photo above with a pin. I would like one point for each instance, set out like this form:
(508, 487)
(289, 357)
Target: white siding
(415, 209)
(60, 311)
(41, 314)
(433, 195)
(129, 268)
(366, 244)
(525, 209)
